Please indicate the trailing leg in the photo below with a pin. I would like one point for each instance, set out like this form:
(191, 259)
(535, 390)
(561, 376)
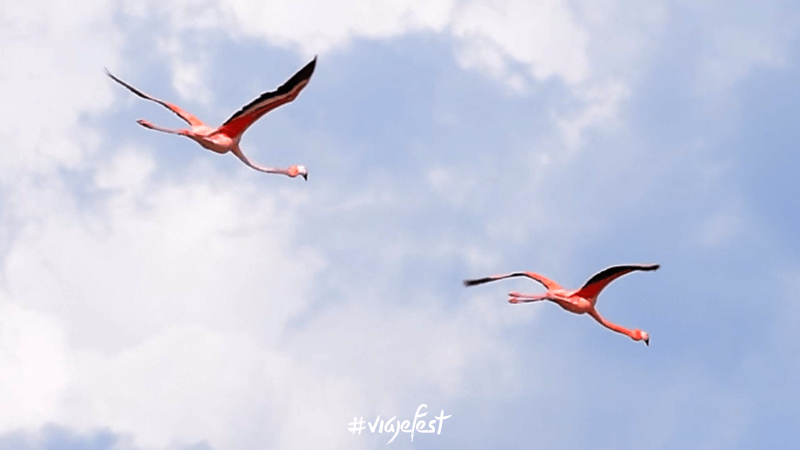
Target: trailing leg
(149, 125)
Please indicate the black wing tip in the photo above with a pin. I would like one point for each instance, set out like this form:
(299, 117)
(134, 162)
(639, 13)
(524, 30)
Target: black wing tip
(476, 281)
(622, 267)
(617, 271)
(302, 75)
(308, 69)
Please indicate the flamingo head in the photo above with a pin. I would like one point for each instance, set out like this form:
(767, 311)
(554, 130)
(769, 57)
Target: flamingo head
(639, 335)
(298, 170)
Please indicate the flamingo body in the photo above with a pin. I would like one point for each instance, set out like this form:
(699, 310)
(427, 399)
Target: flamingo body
(578, 301)
(226, 137)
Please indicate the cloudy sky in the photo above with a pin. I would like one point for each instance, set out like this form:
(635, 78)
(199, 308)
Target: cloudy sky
(157, 296)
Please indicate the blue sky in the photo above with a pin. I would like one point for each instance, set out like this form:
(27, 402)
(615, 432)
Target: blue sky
(156, 296)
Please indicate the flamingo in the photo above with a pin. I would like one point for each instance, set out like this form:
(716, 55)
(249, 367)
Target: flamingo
(579, 301)
(226, 137)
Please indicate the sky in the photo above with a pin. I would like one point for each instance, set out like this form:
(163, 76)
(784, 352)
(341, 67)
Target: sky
(157, 296)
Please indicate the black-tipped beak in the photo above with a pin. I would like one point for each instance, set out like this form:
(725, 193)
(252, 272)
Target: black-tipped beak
(305, 176)
(647, 342)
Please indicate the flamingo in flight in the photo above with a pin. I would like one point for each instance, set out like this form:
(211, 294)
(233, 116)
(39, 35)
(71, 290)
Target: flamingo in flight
(226, 137)
(579, 301)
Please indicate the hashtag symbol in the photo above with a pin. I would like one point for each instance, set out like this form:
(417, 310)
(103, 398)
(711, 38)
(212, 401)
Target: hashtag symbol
(356, 425)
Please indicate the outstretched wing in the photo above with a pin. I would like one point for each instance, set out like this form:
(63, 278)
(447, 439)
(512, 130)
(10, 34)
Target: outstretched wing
(548, 283)
(242, 119)
(189, 118)
(595, 284)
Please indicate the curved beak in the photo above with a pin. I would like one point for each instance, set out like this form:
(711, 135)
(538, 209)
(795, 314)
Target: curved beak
(305, 176)
(647, 341)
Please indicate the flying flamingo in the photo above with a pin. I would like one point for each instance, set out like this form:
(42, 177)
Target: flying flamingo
(226, 138)
(579, 301)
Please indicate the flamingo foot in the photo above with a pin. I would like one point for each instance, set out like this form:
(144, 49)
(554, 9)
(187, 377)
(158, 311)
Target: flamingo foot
(145, 124)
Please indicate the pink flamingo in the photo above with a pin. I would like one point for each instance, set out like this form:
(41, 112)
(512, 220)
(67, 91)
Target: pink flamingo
(226, 138)
(579, 301)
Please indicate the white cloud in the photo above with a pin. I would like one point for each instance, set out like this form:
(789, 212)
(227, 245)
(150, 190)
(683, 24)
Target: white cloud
(189, 64)
(519, 43)
(193, 253)
(50, 84)
(599, 109)
(184, 385)
(34, 369)
(543, 36)
(316, 27)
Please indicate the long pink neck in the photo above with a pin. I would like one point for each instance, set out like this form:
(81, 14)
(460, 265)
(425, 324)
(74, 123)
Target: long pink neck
(612, 326)
(238, 152)
(287, 171)
(272, 170)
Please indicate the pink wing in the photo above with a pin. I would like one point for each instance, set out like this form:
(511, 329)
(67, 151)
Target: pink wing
(242, 119)
(600, 280)
(189, 118)
(548, 283)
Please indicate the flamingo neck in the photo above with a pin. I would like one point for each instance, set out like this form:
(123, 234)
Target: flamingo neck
(614, 327)
(275, 170)
(287, 171)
